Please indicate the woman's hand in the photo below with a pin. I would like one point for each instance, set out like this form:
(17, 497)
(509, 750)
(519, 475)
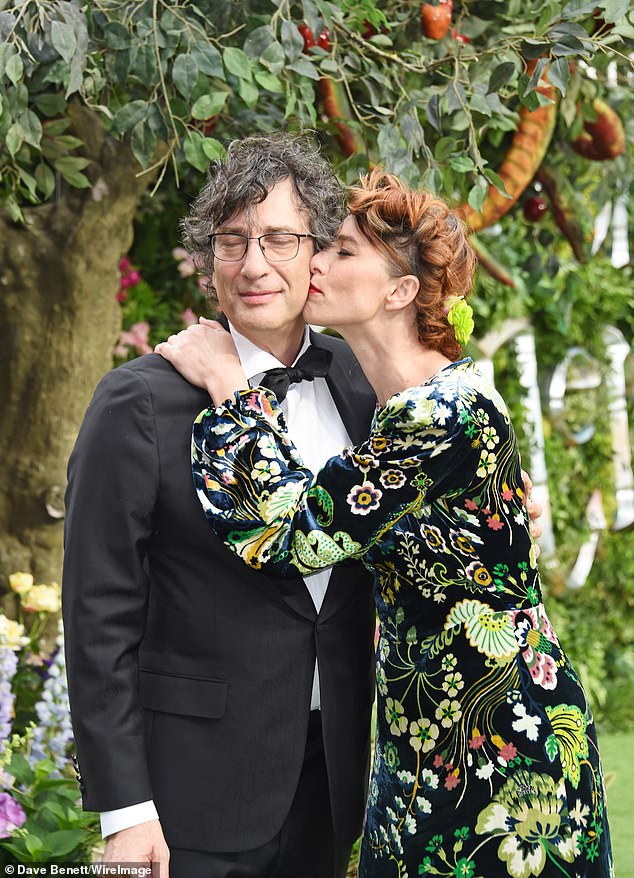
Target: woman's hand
(534, 510)
(206, 356)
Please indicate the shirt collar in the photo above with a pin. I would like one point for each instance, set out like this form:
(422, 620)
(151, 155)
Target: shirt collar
(254, 360)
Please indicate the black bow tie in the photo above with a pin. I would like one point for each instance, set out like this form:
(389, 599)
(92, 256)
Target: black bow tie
(315, 363)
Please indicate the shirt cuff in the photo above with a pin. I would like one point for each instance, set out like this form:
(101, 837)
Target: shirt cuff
(124, 818)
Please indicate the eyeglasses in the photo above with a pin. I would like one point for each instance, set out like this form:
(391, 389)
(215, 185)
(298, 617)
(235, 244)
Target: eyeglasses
(276, 246)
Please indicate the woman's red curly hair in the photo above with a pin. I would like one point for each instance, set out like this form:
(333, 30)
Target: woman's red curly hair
(419, 235)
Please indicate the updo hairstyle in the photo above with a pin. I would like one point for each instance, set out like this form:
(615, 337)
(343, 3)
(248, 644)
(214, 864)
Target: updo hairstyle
(419, 235)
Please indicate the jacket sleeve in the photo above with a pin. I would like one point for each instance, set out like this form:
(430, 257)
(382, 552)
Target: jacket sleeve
(112, 486)
(277, 516)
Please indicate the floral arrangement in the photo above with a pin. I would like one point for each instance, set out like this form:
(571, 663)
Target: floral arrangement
(41, 819)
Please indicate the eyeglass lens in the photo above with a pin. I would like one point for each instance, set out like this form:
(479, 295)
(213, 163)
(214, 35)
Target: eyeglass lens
(276, 247)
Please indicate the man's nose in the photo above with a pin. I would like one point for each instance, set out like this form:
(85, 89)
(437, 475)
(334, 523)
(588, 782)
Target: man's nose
(254, 262)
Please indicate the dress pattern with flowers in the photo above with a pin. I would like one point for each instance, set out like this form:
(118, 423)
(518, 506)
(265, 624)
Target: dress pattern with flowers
(486, 762)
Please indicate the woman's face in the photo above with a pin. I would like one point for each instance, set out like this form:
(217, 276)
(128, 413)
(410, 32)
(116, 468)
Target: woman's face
(349, 280)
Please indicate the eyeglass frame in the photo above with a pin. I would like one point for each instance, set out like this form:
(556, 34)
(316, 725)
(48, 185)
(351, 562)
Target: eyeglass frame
(258, 238)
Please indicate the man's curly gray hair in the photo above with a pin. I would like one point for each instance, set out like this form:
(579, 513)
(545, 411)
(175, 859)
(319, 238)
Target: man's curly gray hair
(250, 169)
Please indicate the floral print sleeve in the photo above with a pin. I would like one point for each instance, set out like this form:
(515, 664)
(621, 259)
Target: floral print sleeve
(276, 515)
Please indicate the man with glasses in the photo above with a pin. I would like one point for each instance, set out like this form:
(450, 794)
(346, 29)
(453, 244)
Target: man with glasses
(217, 712)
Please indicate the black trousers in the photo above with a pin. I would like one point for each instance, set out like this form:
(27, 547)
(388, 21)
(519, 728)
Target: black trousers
(305, 847)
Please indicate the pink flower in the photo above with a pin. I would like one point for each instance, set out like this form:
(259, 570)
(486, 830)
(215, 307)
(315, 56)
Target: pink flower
(137, 337)
(122, 295)
(495, 523)
(476, 741)
(124, 265)
(186, 265)
(188, 317)
(470, 505)
(438, 760)
(130, 280)
(11, 815)
(451, 781)
(507, 494)
(508, 751)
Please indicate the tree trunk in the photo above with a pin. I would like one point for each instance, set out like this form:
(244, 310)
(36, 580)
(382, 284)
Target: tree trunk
(59, 320)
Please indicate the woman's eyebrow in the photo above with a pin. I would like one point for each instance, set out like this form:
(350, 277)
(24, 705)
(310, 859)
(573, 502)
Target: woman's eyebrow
(346, 239)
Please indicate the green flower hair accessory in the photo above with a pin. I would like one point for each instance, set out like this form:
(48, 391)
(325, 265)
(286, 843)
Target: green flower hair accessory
(460, 316)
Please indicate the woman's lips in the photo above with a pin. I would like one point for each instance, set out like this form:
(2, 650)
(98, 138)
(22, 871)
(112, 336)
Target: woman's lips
(312, 289)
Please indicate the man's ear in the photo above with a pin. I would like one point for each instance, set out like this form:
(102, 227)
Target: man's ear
(403, 294)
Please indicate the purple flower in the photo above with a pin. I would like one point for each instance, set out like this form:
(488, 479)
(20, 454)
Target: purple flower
(11, 815)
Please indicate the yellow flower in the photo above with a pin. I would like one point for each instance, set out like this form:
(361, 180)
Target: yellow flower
(21, 582)
(11, 634)
(42, 599)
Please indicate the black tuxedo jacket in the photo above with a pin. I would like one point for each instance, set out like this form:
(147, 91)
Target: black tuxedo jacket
(190, 675)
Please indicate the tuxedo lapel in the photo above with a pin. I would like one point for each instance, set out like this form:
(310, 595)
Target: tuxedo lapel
(349, 390)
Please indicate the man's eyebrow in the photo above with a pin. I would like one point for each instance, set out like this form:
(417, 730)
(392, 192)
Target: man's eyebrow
(266, 230)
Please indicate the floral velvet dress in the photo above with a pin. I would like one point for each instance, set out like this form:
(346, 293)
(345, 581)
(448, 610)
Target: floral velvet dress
(486, 762)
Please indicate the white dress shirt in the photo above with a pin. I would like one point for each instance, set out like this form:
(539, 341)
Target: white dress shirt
(316, 428)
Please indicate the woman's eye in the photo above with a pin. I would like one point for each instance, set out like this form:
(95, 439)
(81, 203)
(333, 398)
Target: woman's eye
(342, 252)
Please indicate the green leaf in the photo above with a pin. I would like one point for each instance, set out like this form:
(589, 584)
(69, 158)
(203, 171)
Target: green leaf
(194, 152)
(68, 164)
(273, 58)
(613, 10)
(14, 69)
(502, 74)
(208, 59)
(45, 179)
(185, 74)
(209, 104)
(117, 36)
(63, 842)
(64, 40)
(34, 846)
(292, 40)
(248, 92)
(237, 63)
(559, 74)
(577, 8)
(143, 143)
(258, 41)
(29, 181)
(213, 149)
(129, 116)
(444, 147)
(49, 104)
(14, 139)
(269, 82)
(16, 216)
(304, 67)
(478, 193)
(31, 128)
(497, 181)
(461, 163)
(551, 747)
(433, 113)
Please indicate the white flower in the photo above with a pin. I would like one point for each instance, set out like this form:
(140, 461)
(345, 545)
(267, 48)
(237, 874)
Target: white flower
(580, 813)
(485, 771)
(394, 714)
(441, 413)
(488, 462)
(448, 712)
(410, 824)
(526, 723)
(265, 470)
(429, 778)
(423, 805)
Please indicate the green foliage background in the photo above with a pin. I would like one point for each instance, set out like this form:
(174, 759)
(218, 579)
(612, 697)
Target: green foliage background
(179, 80)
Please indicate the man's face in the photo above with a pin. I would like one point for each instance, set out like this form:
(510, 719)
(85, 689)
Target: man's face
(264, 299)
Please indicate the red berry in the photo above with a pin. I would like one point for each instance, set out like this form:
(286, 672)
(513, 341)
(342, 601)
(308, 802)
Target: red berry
(435, 20)
(535, 208)
(459, 38)
(308, 35)
(323, 40)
